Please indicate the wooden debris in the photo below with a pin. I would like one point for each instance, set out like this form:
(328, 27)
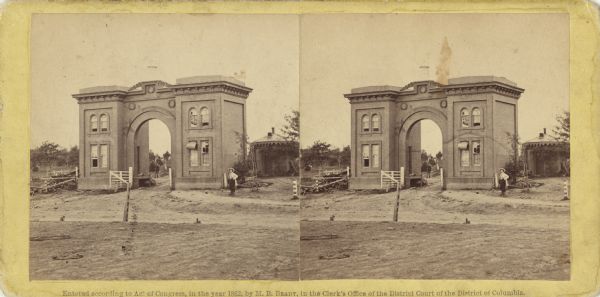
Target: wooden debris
(318, 237)
(49, 237)
(68, 256)
(327, 182)
(334, 256)
(56, 180)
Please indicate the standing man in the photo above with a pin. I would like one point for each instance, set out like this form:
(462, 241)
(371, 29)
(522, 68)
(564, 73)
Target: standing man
(231, 181)
(503, 181)
(159, 163)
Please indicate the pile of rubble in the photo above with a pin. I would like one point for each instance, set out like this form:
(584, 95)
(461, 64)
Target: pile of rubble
(327, 181)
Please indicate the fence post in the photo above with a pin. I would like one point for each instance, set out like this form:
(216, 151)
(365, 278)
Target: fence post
(126, 208)
(295, 188)
(76, 172)
(397, 204)
(566, 190)
(495, 180)
(170, 179)
(130, 175)
(348, 171)
(402, 176)
(442, 177)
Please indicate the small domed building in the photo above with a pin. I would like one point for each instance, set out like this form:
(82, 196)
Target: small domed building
(273, 155)
(545, 156)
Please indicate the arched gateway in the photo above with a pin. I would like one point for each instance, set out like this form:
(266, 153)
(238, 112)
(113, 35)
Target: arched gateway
(475, 114)
(205, 115)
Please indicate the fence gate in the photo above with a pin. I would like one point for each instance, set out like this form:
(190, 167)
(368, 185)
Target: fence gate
(120, 179)
(392, 179)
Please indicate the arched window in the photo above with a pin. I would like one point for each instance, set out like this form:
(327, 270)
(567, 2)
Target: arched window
(94, 123)
(194, 118)
(465, 118)
(375, 122)
(476, 117)
(205, 117)
(103, 122)
(366, 123)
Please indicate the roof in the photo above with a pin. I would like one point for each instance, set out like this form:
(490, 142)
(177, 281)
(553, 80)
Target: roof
(468, 83)
(270, 138)
(208, 78)
(544, 140)
(479, 79)
(101, 89)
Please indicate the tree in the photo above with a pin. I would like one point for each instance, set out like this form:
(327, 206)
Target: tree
(513, 166)
(438, 159)
(562, 131)
(432, 161)
(166, 156)
(318, 151)
(291, 130)
(424, 156)
(73, 156)
(345, 156)
(152, 156)
(48, 152)
(243, 141)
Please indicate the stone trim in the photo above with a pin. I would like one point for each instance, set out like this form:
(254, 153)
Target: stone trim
(495, 87)
(213, 87)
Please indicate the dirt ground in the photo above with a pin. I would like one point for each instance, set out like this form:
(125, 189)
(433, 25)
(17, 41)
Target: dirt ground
(201, 234)
(522, 236)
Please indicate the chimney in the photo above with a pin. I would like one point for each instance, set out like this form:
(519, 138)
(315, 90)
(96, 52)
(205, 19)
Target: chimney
(541, 135)
(273, 130)
(424, 75)
(544, 131)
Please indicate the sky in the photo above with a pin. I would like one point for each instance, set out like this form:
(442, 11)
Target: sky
(74, 51)
(358, 50)
(306, 62)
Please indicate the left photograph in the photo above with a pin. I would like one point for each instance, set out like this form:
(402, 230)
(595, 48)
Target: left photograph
(164, 147)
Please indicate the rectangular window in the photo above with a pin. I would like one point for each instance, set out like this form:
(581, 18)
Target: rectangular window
(476, 153)
(366, 155)
(94, 155)
(193, 155)
(464, 158)
(205, 153)
(104, 156)
(375, 155)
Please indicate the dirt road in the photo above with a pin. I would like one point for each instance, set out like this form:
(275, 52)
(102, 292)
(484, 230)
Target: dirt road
(253, 235)
(521, 236)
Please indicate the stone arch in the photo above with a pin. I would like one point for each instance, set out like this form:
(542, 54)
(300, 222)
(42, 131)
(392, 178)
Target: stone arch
(425, 113)
(142, 117)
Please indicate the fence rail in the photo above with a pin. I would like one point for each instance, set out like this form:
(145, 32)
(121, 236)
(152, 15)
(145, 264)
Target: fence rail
(392, 179)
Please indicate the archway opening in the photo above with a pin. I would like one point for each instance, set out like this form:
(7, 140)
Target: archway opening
(425, 152)
(152, 151)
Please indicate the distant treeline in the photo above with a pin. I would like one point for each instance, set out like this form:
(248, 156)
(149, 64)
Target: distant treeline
(323, 154)
(50, 154)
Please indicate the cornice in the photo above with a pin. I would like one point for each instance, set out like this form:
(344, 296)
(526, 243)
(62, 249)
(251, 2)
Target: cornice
(479, 88)
(100, 97)
(162, 87)
(372, 96)
(212, 87)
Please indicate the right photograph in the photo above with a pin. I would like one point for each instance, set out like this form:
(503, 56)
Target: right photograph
(434, 146)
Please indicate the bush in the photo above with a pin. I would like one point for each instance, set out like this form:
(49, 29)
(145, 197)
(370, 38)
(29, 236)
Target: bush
(242, 168)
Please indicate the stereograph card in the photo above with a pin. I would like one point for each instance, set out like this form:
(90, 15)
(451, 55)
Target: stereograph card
(299, 149)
